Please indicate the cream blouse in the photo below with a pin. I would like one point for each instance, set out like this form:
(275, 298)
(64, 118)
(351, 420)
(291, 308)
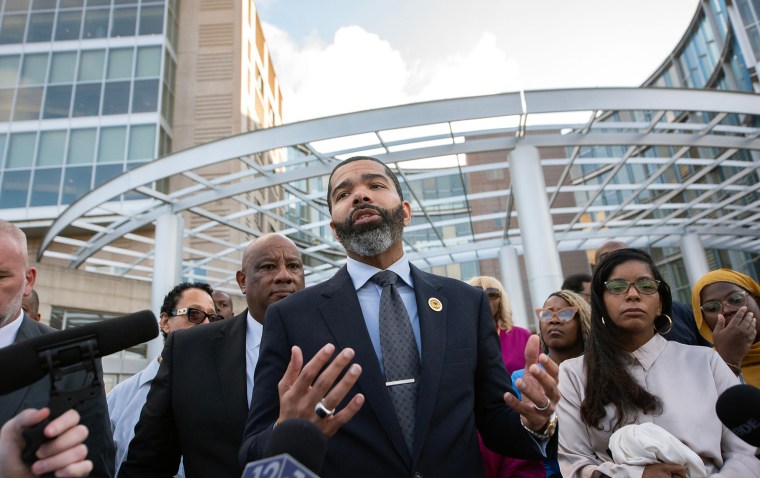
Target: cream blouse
(688, 379)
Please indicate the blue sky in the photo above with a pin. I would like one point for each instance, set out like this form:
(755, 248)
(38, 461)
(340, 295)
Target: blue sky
(337, 56)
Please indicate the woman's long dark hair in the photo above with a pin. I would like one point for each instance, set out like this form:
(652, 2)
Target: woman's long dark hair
(605, 360)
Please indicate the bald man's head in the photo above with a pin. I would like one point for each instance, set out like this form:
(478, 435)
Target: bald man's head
(606, 248)
(272, 270)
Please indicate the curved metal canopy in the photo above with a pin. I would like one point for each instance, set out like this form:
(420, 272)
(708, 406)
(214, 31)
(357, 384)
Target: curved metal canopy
(645, 165)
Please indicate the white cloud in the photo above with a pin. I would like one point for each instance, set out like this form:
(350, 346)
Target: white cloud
(486, 69)
(359, 70)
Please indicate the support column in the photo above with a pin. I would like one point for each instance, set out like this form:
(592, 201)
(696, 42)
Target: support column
(694, 257)
(167, 264)
(509, 264)
(539, 246)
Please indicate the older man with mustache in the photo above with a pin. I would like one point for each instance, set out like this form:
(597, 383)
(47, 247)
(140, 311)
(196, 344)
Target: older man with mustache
(198, 402)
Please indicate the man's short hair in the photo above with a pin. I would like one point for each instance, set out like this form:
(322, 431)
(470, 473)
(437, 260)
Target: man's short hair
(575, 282)
(171, 299)
(388, 171)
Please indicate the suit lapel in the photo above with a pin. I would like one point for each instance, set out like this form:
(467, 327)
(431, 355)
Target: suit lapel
(229, 354)
(342, 313)
(433, 338)
(10, 403)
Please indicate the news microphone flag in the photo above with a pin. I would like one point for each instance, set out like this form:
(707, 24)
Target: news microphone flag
(279, 466)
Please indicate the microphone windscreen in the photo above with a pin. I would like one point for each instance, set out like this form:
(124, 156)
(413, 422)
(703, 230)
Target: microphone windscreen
(112, 335)
(738, 408)
(300, 439)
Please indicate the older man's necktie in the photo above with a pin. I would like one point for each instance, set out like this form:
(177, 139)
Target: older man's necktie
(401, 359)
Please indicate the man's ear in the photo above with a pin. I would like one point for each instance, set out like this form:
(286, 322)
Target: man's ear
(240, 278)
(335, 233)
(31, 277)
(164, 322)
(407, 208)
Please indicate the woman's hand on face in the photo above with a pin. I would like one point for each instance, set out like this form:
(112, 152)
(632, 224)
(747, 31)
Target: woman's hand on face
(664, 470)
(733, 340)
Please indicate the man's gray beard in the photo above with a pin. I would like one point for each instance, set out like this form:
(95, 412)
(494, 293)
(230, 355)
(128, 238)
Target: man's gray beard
(370, 243)
(374, 241)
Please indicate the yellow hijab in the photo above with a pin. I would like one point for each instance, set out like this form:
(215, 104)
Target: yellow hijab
(751, 363)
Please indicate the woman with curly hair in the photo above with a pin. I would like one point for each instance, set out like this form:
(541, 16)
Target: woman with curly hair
(564, 322)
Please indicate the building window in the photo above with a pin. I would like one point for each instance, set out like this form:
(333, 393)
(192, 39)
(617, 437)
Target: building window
(52, 148)
(86, 100)
(45, 187)
(76, 183)
(116, 98)
(68, 25)
(14, 190)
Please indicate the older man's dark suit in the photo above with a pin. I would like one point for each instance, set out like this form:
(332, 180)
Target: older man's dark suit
(462, 384)
(196, 407)
(94, 412)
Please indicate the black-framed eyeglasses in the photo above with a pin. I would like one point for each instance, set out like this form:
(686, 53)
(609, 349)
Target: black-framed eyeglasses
(196, 316)
(491, 292)
(621, 286)
(734, 300)
(564, 315)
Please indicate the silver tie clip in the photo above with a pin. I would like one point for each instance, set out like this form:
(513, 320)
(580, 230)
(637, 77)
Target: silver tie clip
(399, 382)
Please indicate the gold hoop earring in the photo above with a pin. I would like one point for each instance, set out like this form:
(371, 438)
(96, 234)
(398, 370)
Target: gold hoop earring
(670, 325)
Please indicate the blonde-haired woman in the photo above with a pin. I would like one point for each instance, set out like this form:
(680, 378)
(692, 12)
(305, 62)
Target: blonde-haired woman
(513, 340)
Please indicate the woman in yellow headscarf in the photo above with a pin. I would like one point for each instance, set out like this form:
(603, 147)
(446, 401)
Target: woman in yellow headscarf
(726, 308)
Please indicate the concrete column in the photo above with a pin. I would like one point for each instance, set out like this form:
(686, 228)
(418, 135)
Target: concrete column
(694, 257)
(539, 246)
(509, 264)
(167, 265)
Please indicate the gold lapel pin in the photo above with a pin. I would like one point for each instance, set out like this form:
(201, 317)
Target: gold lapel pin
(435, 304)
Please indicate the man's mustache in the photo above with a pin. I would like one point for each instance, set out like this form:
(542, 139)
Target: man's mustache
(350, 219)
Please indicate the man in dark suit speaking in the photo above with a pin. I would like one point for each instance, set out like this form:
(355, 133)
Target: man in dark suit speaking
(429, 372)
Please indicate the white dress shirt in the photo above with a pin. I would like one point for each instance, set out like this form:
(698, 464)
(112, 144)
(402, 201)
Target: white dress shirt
(9, 332)
(253, 332)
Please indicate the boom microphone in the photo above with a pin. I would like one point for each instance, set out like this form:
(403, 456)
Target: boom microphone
(738, 408)
(101, 338)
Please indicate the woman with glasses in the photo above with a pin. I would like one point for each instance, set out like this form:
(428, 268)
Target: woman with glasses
(630, 375)
(513, 340)
(564, 322)
(726, 311)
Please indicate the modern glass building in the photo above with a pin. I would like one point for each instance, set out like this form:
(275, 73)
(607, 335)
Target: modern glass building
(90, 89)
(86, 93)
(719, 51)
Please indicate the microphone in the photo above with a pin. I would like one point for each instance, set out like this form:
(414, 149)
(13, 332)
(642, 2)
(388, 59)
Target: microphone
(296, 449)
(31, 360)
(738, 408)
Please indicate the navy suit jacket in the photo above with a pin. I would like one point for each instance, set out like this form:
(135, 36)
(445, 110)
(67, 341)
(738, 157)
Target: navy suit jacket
(196, 407)
(461, 387)
(93, 412)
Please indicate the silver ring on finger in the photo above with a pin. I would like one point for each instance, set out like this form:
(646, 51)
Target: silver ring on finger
(545, 407)
(322, 411)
